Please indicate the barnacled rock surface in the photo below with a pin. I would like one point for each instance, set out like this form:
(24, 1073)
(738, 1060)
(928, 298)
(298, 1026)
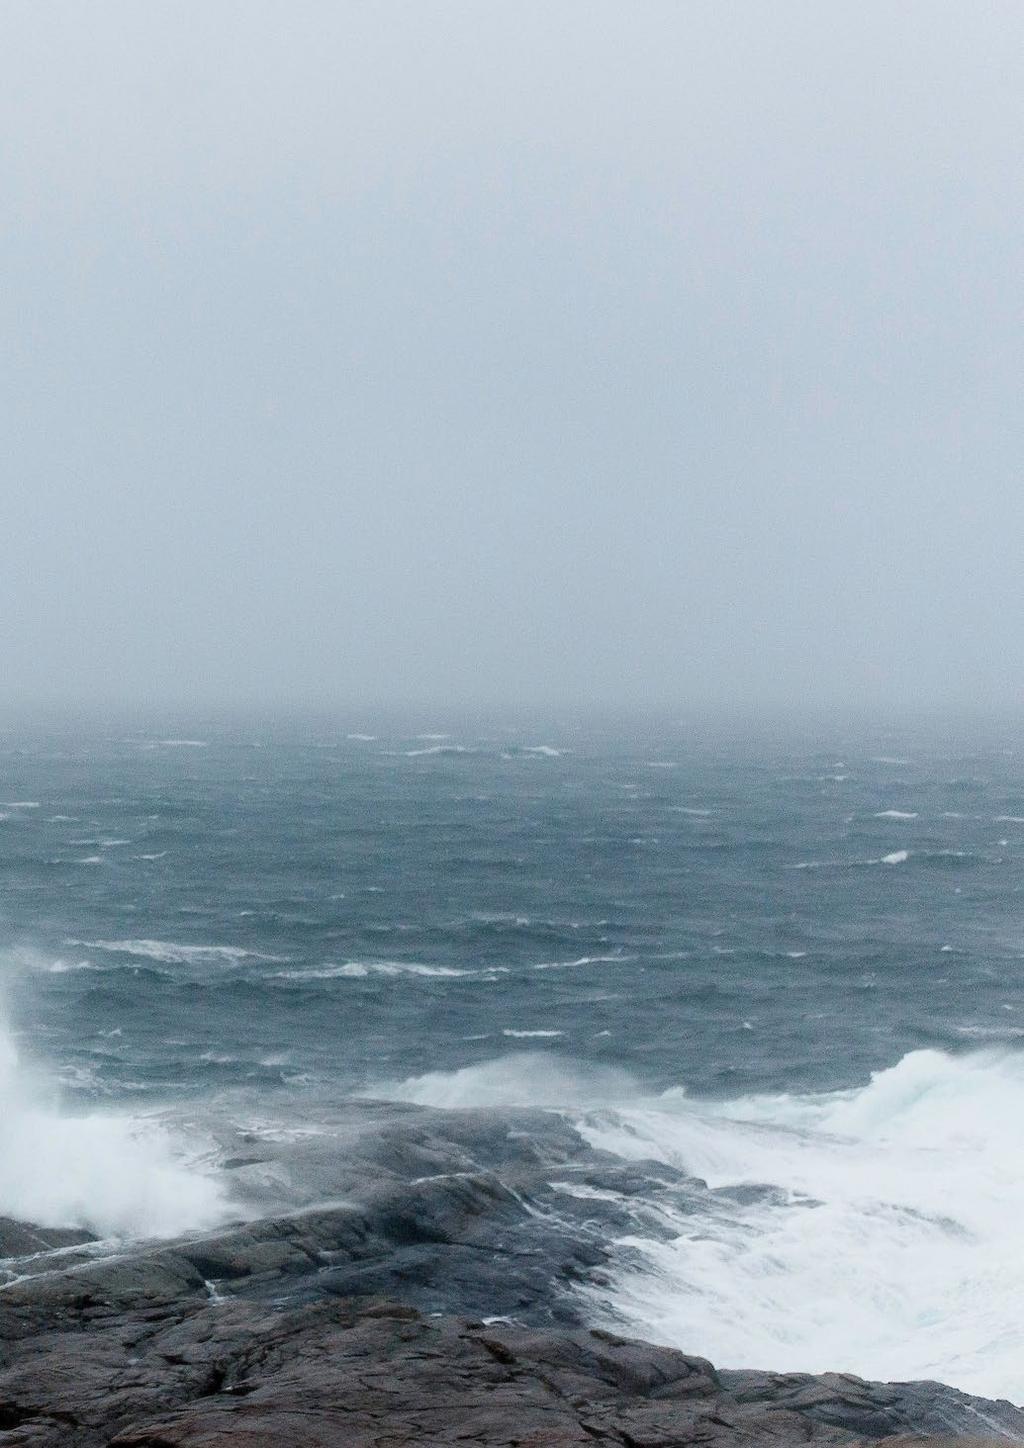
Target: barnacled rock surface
(435, 1301)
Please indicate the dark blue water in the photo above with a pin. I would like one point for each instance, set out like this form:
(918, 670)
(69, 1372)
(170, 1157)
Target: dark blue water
(286, 909)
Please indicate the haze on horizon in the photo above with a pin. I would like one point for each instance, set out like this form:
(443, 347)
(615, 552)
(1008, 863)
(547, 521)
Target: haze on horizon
(661, 354)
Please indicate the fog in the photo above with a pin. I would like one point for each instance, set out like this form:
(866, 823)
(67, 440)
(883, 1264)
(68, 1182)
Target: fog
(553, 351)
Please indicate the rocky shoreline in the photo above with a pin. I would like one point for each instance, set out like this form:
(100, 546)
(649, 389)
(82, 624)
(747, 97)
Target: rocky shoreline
(438, 1297)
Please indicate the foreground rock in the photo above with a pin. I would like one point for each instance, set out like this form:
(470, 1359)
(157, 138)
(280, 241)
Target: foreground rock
(363, 1323)
(344, 1375)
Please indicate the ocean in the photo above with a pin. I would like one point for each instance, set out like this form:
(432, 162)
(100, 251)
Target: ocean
(784, 958)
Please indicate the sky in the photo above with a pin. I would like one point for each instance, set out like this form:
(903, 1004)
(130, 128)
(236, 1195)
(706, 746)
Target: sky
(558, 352)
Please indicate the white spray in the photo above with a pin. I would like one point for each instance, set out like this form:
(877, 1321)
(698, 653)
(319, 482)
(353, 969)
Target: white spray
(111, 1174)
(894, 1247)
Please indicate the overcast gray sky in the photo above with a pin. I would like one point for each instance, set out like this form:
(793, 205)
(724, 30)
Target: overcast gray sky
(553, 350)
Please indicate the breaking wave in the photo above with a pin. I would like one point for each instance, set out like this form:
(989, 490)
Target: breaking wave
(116, 1176)
(896, 1244)
(170, 952)
(881, 1228)
(528, 1078)
(360, 969)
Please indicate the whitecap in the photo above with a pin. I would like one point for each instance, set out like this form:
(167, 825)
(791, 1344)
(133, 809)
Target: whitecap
(896, 814)
(526, 1035)
(437, 749)
(898, 857)
(583, 960)
(171, 952)
(115, 1175)
(894, 1243)
(360, 969)
(63, 967)
(524, 1079)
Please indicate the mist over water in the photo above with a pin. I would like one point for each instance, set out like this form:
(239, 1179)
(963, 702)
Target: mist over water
(787, 963)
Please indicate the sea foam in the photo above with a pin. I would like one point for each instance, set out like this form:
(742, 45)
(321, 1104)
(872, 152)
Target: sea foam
(888, 1238)
(896, 1249)
(171, 952)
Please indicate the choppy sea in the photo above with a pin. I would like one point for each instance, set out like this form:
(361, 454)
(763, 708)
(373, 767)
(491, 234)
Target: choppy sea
(786, 954)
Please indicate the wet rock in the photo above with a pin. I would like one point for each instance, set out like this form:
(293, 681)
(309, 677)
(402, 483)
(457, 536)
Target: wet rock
(218, 1376)
(21, 1239)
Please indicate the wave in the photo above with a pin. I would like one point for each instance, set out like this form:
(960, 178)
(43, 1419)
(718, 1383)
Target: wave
(897, 857)
(880, 1227)
(359, 970)
(439, 749)
(66, 967)
(170, 952)
(991, 1033)
(116, 1176)
(894, 1245)
(896, 814)
(524, 1079)
(934, 859)
(583, 960)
